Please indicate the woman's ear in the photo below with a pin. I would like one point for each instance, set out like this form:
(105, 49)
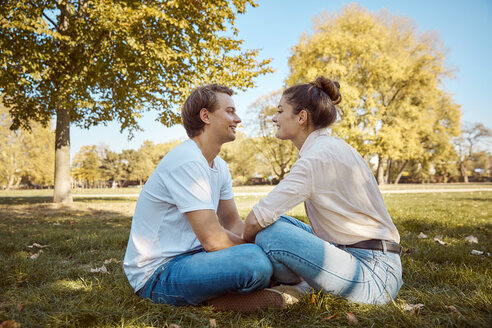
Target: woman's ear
(204, 116)
(303, 117)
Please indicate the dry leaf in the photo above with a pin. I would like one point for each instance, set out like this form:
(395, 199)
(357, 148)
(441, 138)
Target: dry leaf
(438, 239)
(331, 317)
(413, 308)
(213, 323)
(453, 309)
(475, 252)
(313, 298)
(37, 246)
(101, 269)
(56, 223)
(111, 260)
(352, 319)
(173, 325)
(10, 324)
(472, 239)
(422, 236)
(409, 251)
(35, 256)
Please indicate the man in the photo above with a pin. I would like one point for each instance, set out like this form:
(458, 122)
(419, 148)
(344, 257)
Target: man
(178, 253)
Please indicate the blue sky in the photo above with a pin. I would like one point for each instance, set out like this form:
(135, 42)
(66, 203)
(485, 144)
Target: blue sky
(465, 27)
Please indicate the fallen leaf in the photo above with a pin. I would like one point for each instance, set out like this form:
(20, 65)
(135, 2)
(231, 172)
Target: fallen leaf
(173, 325)
(453, 309)
(19, 306)
(422, 236)
(413, 308)
(101, 269)
(111, 260)
(313, 298)
(472, 239)
(35, 256)
(331, 317)
(10, 324)
(475, 252)
(37, 246)
(438, 239)
(409, 251)
(56, 223)
(213, 323)
(352, 319)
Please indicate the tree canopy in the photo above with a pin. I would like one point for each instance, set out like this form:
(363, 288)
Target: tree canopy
(394, 105)
(88, 62)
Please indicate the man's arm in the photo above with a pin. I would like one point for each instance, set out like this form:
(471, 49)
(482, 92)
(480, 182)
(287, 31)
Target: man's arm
(229, 216)
(251, 228)
(209, 232)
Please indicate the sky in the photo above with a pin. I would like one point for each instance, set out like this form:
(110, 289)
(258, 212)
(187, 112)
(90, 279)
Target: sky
(275, 26)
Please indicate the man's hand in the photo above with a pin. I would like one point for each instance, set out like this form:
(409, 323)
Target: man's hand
(251, 228)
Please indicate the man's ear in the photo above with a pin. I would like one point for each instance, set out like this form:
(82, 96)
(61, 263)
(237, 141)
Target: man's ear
(204, 115)
(303, 117)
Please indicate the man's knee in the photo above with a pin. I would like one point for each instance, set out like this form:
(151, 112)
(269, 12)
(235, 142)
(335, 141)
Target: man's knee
(255, 265)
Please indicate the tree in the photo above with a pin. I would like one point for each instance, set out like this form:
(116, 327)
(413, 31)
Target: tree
(241, 156)
(390, 77)
(88, 62)
(471, 136)
(113, 167)
(87, 165)
(25, 154)
(280, 154)
(136, 165)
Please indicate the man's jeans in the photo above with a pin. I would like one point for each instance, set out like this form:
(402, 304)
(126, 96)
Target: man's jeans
(194, 277)
(360, 275)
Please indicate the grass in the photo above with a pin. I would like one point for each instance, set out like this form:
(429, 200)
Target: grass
(57, 288)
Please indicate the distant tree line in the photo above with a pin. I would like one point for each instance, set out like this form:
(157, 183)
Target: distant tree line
(27, 157)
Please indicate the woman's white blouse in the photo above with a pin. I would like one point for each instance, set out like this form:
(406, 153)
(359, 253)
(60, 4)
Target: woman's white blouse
(340, 194)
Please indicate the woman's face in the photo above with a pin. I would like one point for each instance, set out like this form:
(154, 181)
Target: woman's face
(287, 122)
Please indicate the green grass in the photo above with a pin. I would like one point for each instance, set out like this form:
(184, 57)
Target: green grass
(57, 289)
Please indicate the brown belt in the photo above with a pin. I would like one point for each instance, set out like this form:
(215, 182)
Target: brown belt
(377, 245)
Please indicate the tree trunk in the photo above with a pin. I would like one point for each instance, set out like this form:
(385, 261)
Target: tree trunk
(380, 171)
(387, 178)
(463, 172)
(63, 190)
(398, 177)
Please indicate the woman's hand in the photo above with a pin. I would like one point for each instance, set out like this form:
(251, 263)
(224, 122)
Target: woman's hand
(251, 228)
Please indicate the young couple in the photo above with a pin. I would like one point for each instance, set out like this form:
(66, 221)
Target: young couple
(188, 244)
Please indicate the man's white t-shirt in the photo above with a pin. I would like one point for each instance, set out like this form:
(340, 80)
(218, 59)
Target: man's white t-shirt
(182, 182)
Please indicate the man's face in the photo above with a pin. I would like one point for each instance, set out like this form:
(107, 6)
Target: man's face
(224, 120)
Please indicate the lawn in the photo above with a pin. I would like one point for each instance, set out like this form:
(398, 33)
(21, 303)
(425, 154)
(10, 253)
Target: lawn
(52, 286)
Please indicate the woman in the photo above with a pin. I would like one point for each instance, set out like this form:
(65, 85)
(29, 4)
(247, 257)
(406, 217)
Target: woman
(351, 248)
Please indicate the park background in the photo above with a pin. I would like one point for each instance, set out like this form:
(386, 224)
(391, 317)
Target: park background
(60, 262)
(101, 156)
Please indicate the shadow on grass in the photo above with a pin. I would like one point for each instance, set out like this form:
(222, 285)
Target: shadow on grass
(26, 200)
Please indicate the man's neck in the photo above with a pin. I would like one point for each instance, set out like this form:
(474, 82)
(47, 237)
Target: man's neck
(210, 148)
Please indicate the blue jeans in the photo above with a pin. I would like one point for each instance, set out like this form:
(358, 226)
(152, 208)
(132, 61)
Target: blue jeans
(194, 277)
(359, 275)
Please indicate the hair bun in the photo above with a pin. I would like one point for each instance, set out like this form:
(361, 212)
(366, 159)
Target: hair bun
(331, 88)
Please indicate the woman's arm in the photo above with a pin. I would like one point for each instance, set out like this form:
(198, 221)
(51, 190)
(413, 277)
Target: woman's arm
(251, 228)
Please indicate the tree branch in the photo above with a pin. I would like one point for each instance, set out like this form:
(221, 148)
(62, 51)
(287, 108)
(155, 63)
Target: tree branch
(49, 19)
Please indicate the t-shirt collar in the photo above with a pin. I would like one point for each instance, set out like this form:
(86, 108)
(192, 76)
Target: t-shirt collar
(309, 142)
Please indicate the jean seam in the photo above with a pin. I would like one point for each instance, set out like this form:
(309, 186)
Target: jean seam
(314, 266)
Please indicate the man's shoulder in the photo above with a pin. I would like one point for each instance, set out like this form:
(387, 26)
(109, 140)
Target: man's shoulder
(182, 154)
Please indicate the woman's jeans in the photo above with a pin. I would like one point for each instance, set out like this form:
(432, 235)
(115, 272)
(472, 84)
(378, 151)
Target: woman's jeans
(360, 275)
(194, 277)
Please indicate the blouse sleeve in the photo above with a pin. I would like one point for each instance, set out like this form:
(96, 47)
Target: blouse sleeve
(295, 188)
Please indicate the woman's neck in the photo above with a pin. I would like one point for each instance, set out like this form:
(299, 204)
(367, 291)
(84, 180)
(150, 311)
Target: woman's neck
(299, 140)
